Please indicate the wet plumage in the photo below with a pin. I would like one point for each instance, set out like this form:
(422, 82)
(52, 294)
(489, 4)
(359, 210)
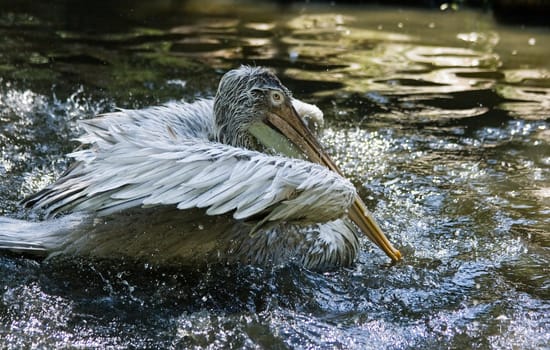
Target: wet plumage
(230, 158)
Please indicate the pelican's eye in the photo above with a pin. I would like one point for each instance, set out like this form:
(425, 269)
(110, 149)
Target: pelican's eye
(276, 97)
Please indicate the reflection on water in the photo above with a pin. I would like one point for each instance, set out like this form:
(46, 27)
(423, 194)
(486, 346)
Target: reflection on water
(440, 118)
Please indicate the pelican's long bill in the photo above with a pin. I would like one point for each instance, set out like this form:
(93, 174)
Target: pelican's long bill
(286, 121)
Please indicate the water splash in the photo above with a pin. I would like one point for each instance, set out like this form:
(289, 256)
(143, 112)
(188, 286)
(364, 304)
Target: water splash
(439, 118)
(34, 137)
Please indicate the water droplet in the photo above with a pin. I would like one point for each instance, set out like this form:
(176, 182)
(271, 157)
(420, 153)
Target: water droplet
(177, 82)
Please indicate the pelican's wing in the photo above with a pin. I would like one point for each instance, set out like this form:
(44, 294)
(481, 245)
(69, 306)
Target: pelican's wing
(198, 173)
(168, 123)
(129, 166)
(310, 114)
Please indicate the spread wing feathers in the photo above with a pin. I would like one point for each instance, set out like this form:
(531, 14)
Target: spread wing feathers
(167, 123)
(127, 167)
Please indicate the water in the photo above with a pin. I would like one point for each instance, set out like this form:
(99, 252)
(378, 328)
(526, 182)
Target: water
(439, 117)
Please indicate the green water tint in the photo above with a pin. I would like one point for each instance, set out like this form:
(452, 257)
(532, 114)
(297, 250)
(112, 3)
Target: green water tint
(440, 118)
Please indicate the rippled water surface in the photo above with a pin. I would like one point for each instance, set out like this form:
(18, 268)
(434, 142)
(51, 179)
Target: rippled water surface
(439, 117)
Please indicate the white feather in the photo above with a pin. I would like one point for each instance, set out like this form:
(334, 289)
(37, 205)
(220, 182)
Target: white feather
(137, 163)
(166, 158)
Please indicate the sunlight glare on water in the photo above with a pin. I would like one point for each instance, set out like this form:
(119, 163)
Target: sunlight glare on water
(440, 118)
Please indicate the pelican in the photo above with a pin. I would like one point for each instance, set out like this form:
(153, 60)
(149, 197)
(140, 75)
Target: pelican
(238, 177)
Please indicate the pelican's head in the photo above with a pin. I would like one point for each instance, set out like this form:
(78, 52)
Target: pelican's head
(245, 98)
(253, 109)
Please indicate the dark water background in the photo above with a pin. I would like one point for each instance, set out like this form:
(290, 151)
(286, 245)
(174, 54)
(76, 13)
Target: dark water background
(440, 117)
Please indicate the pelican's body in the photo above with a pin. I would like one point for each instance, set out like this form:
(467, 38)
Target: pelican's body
(188, 181)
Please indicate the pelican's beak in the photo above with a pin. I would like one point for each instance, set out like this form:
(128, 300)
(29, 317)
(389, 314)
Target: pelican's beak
(287, 121)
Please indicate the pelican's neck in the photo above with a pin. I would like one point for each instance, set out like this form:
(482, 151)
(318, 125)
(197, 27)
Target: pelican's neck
(230, 126)
(232, 115)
